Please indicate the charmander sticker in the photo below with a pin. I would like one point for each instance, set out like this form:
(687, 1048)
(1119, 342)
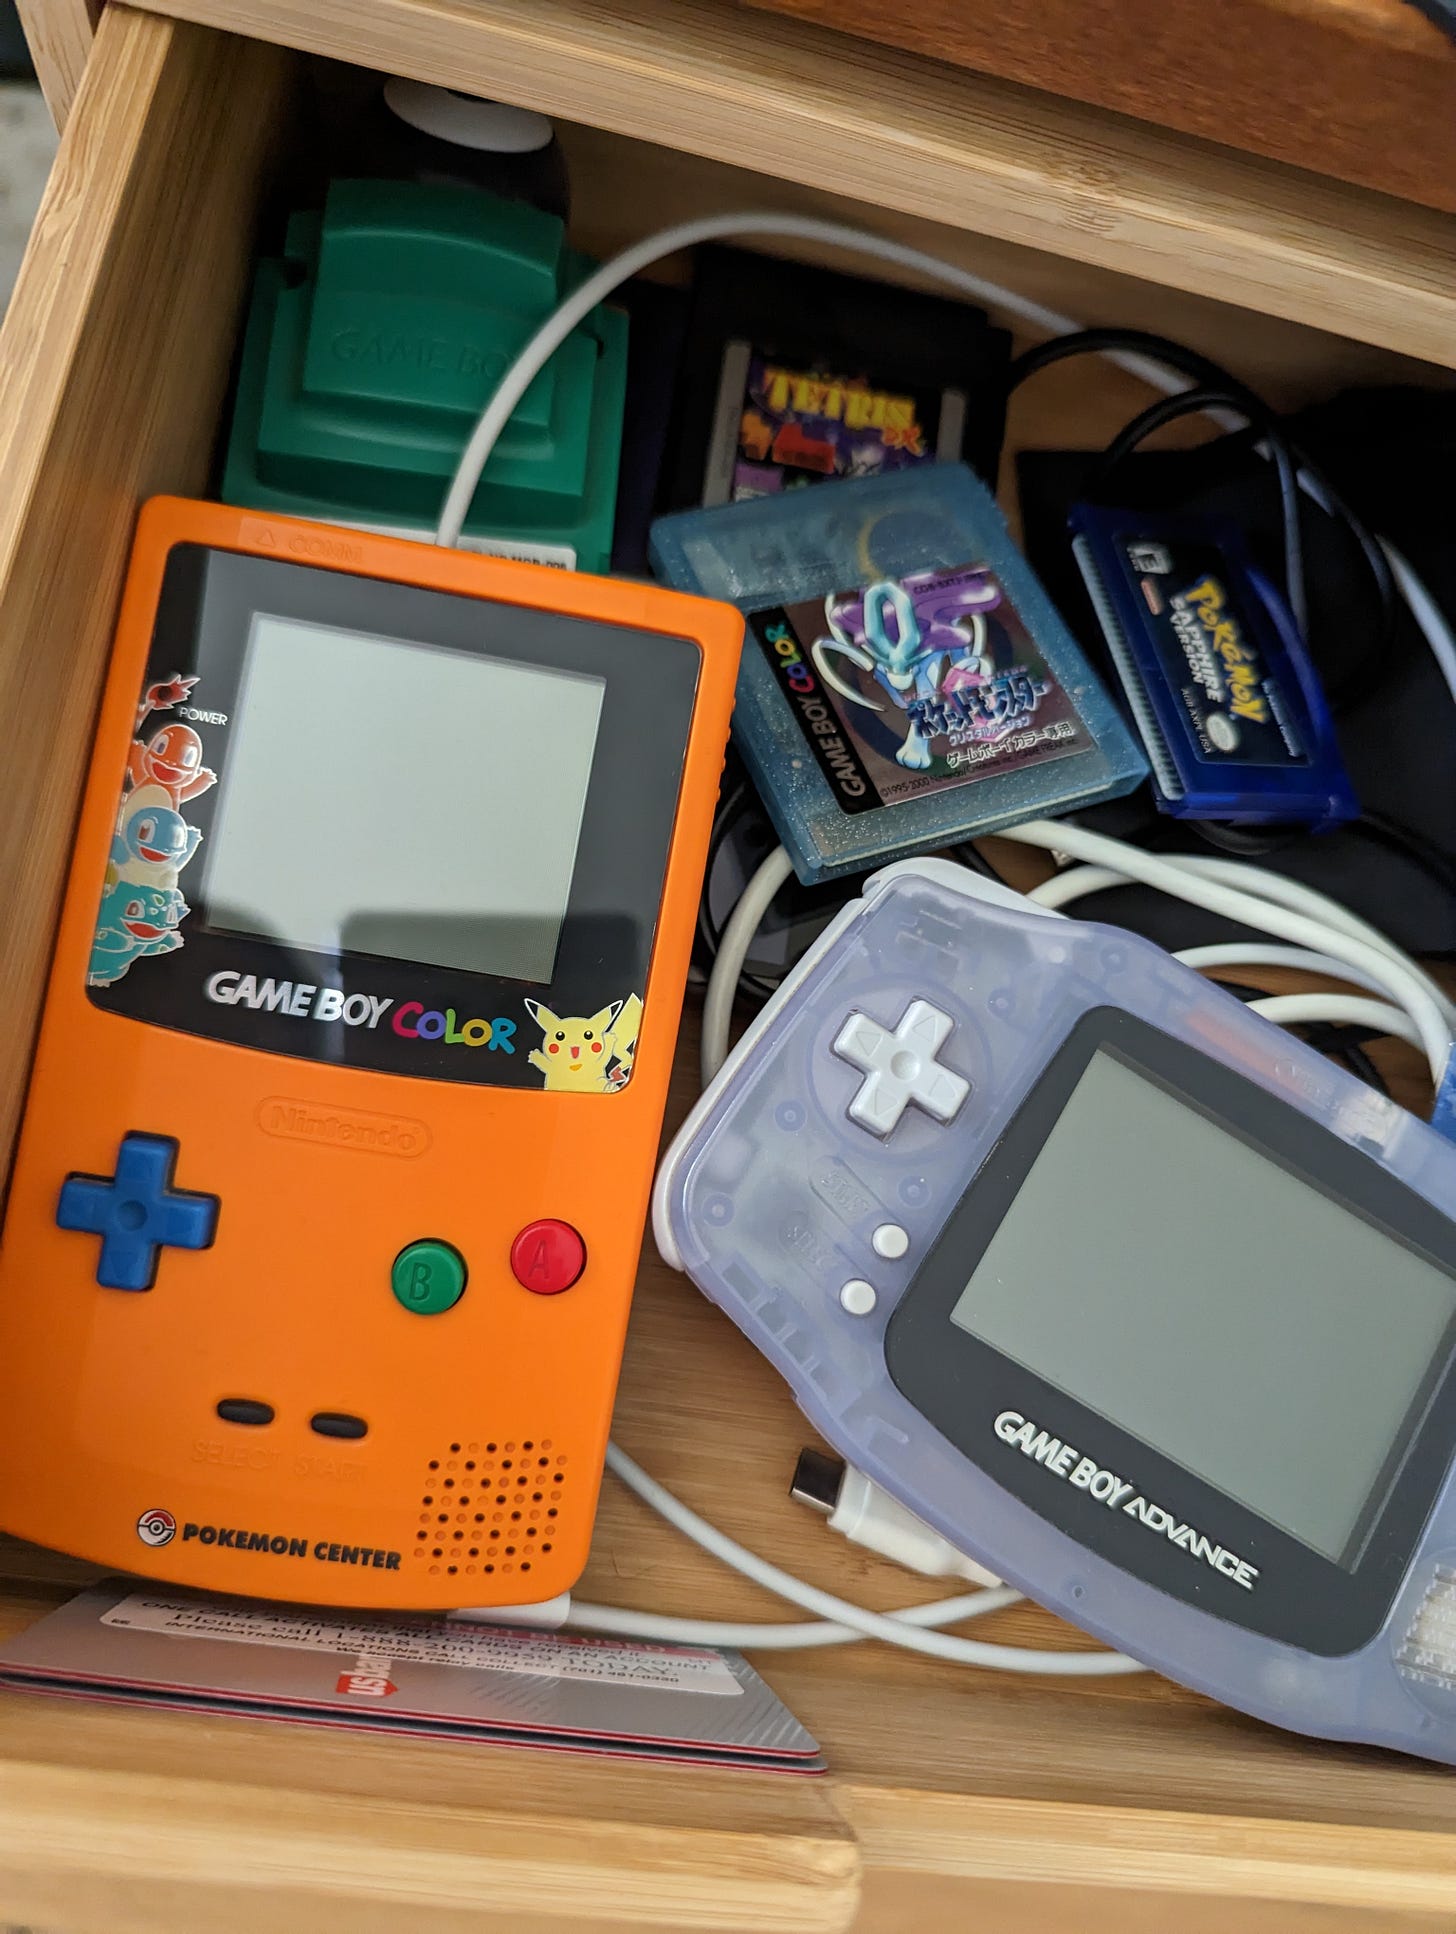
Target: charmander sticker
(142, 906)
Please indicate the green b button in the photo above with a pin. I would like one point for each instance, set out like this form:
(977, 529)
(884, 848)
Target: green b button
(428, 1277)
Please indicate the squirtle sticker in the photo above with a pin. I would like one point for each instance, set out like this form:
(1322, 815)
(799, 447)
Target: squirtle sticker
(141, 903)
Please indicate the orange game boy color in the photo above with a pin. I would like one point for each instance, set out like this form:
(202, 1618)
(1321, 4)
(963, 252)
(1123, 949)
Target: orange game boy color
(326, 1211)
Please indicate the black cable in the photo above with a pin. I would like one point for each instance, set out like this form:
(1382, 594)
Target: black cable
(1192, 402)
(1204, 372)
(1411, 845)
(1240, 990)
(1140, 342)
(1290, 461)
(1378, 564)
(1353, 1054)
(729, 806)
(1245, 842)
(735, 802)
(969, 855)
(1343, 1041)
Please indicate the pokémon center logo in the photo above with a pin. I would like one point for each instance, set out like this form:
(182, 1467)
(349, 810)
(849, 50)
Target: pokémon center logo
(156, 1528)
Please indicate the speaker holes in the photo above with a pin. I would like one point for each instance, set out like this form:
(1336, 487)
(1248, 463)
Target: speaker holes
(512, 1488)
(452, 1569)
(487, 1569)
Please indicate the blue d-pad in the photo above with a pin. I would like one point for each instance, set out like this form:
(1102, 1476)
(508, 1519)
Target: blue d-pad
(137, 1212)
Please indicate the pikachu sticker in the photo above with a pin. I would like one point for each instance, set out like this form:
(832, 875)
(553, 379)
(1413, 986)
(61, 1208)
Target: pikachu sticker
(589, 1055)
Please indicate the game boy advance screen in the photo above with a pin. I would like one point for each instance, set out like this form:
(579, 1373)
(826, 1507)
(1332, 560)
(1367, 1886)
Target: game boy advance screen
(1206, 1300)
(401, 799)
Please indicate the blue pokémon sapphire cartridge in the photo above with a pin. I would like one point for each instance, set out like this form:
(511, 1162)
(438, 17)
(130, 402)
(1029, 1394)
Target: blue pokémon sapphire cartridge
(1230, 709)
(906, 682)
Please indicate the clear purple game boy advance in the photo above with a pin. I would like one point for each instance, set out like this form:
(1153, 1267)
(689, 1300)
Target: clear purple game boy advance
(1131, 1295)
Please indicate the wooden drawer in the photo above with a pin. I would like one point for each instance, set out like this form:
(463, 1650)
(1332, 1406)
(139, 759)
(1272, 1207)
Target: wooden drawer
(1116, 1804)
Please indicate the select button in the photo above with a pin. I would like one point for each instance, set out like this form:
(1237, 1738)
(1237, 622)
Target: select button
(428, 1277)
(245, 1410)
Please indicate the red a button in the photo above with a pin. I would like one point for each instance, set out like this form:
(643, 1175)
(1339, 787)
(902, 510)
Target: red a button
(547, 1257)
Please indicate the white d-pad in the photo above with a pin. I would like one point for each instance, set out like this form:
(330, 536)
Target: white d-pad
(900, 1068)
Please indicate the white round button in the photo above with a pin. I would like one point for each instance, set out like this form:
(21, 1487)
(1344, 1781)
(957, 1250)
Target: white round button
(890, 1241)
(858, 1297)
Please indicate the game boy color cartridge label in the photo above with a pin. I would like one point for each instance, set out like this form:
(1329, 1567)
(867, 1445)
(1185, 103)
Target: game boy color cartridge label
(780, 425)
(911, 685)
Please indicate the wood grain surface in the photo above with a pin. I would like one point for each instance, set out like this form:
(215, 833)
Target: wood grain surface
(59, 35)
(136, 1821)
(1123, 1804)
(915, 137)
(1361, 89)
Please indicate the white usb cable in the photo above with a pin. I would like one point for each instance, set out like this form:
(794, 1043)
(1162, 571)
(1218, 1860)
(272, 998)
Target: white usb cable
(856, 1507)
(1428, 616)
(900, 1628)
(1376, 964)
(1277, 906)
